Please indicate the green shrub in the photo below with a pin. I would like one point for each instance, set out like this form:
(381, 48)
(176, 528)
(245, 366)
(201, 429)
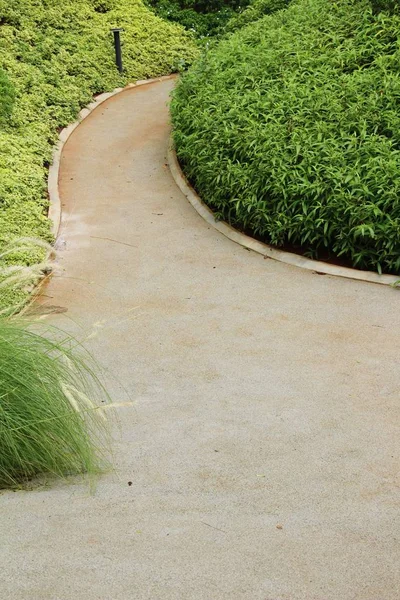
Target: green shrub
(49, 423)
(103, 6)
(58, 54)
(7, 97)
(205, 6)
(256, 10)
(205, 18)
(389, 5)
(200, 24)
(290, 128)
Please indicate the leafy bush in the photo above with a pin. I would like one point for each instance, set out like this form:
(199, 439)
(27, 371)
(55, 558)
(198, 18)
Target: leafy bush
(206, 6)
(256, 10)
(201, 24)
(57, 55)
(290, 128)
(204, 18)
(103, 6)
(6, 97)
(389, 5)
(48, 421)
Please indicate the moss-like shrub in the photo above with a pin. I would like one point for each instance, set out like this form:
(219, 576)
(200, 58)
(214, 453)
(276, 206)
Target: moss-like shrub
(290, 128)
(7, 97)
(57, 55)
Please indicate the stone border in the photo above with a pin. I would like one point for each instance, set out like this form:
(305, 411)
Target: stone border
(54, 213)
(267, 251)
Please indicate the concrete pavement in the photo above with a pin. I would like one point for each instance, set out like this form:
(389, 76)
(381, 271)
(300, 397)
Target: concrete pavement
(263, 448)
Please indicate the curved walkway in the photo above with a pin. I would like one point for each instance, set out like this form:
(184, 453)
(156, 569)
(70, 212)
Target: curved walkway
(263, 449)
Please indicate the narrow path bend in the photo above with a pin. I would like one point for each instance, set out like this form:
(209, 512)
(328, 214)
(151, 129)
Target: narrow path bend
(263, 448)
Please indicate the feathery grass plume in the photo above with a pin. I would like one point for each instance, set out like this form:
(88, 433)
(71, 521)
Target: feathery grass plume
(51, 417)
(18, 282)
(51, 399)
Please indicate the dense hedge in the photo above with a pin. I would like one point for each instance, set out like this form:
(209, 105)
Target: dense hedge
(256, 10)
(206, 6)
(389, 5)
(204, 18)
(57, 54)
(290, 128)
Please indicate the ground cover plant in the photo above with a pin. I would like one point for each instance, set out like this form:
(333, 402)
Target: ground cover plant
(6, 97)
(53, 57)
(290, 129)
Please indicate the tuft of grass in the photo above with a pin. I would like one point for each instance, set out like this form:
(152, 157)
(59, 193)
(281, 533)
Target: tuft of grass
(50, 418)
(19, 282)
(388, 5)
(52, 401)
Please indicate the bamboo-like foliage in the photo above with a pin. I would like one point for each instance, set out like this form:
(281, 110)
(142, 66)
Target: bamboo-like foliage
(290, 129)
(256, 10)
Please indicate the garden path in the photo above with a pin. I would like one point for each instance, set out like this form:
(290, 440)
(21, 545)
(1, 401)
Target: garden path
(261, 457)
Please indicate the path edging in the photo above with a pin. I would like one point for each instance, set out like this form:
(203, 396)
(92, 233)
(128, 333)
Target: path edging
(267, 251)
(55, 209)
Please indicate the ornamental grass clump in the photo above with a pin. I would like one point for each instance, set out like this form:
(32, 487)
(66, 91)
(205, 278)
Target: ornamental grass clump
(52, 402)
(290, 130)
(50, 419)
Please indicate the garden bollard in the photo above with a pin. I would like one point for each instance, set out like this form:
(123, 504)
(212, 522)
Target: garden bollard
(117, 43)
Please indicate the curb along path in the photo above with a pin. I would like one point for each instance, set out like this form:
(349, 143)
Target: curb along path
(263, 448)
(289, 258)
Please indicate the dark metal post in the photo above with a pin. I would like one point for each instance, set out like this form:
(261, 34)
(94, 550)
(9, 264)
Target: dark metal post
(117, 44)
